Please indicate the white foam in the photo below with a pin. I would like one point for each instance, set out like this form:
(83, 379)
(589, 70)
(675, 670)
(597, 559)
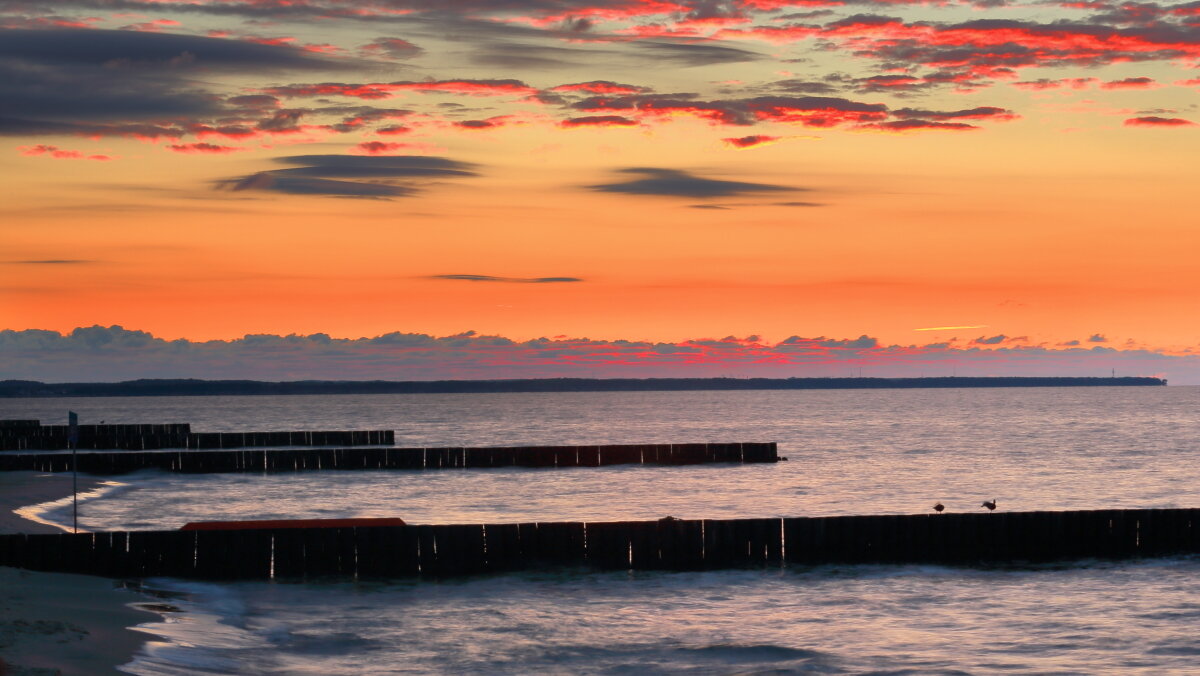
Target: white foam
(56, 513)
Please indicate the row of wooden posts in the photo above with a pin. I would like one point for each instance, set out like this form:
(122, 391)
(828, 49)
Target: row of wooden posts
(285, 460)
(137, 438)
(668, 544)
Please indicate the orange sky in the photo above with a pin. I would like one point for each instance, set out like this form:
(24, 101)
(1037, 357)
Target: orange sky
(994, 191)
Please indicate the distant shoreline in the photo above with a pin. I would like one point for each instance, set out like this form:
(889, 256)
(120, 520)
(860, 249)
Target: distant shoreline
(191, 387)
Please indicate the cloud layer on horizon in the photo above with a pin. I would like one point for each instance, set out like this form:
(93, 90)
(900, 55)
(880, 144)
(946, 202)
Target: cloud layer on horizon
(114, 353)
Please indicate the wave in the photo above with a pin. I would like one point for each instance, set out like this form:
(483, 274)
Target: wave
(58, 513)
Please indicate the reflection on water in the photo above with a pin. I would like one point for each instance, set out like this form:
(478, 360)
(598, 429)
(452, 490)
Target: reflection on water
(896, 451)
(1135, 618)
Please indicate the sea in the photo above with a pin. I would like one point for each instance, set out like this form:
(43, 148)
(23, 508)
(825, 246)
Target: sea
(849, 452)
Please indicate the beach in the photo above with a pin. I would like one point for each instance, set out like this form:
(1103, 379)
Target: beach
(52, 623)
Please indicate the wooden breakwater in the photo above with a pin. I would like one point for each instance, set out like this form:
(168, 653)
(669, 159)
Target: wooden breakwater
(675, 544)
(300, 459)
(31, 435)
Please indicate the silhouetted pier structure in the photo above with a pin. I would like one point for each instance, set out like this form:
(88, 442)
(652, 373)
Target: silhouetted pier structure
(364, 458)
(668, 544)
(31, 435)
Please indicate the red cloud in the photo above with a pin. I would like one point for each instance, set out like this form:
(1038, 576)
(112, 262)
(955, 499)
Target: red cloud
(1043, 83)
(490, 123)
(472, 87)
(898, 81)
(58, 154)
(810, 111)
(598, 121)
(394, 48)
(1152, 121)
(750, 141)
(152, 26)
(203, 148)
(600, 87)
(379, 147)
(275, 42)
(980, 113)
(987, 47)
(383, 90)
(1131, 83)
(233, 131)
(815, 111)
(360, 91)
(918, 125)
(611, 11)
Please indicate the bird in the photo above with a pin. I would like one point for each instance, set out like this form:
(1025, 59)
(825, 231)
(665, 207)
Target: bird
(990, 505)
(939, 507)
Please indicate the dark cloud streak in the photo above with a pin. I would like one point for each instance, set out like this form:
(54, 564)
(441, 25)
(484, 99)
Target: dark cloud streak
(508, 280)
(676, 183)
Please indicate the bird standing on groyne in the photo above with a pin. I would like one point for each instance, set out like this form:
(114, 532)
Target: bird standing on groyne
(939, 507)
(990, 505)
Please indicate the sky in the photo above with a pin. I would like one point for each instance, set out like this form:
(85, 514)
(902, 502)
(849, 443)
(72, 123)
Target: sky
(404, 189)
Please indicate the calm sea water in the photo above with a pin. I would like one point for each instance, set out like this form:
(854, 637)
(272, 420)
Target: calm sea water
(890, 451)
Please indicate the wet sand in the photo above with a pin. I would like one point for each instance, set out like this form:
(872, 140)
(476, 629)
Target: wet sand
(22, 489)
(55, 623)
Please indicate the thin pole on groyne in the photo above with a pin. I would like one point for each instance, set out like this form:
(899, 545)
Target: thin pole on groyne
(73, 441)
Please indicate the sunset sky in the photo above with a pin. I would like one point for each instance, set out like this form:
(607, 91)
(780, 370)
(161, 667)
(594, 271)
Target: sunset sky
(404, 189)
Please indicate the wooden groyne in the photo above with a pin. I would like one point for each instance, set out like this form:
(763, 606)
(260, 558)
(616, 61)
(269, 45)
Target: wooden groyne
(669, 544)
(300, 459)
(31, 435)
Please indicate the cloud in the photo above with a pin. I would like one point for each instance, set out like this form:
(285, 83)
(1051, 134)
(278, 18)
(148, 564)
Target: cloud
(393, 48)
(123, 83)
(994, 340)
(795, 86)
(393, 130)
(203, 148)
(349, 175)
(600, 87)
(1044, 83)
(752, 141)
(114, 353)
(59, 154)
(1154, 121)
(380, 147)
(809, 111)
(918, 125)
(141, 51)
(52, 261)
(676, 183)
(980, 113)
(508, 280)
(383, 90)
(990, 47)
(1097, 338)
(598, 121)
(1131, 83)
(697, 54)
(490, 123)
(533, 56)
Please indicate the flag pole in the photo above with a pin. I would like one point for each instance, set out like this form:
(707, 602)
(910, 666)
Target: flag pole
(73, 440)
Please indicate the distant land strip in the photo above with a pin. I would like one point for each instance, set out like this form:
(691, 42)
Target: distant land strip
(193, 387)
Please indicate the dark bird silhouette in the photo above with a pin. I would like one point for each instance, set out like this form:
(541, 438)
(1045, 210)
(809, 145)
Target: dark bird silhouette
(990, 505)
(939, 507)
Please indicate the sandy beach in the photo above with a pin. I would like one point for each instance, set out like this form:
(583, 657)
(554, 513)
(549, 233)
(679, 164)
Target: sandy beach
(55, 623)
